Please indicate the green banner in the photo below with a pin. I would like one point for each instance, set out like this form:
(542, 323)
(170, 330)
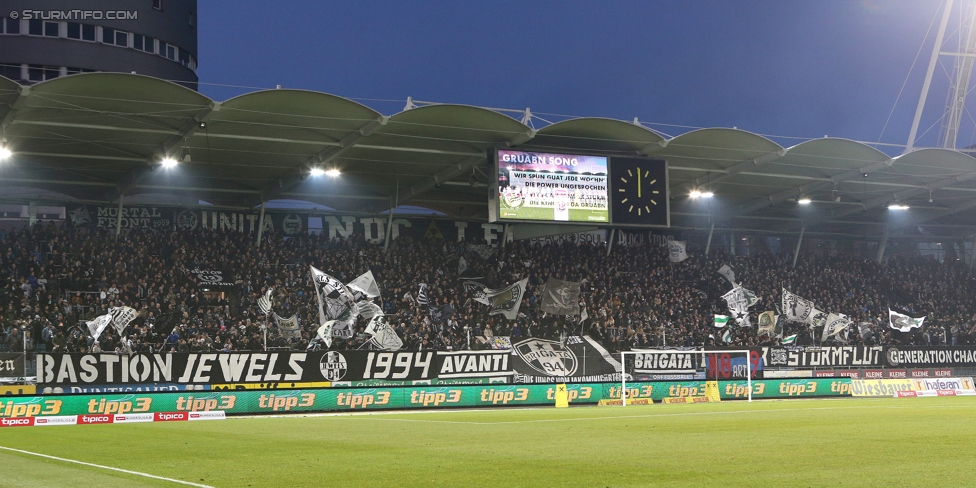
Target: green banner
(326, 399)
(735, 389)
(399, 397)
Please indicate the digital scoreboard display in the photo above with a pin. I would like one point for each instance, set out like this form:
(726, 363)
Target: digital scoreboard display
(552, 187)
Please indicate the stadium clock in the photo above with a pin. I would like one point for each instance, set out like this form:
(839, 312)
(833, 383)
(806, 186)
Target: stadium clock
(639, 191)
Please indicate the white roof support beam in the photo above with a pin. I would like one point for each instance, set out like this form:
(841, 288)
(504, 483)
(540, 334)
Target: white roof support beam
(113, 128)
(453, 171)
(836, 215)
(15, 107)
(731, 171)
(437, 179)
(901, 195)
(169, 144)
(521, 138)
(918, 218)
(322, 158)
(789, 193)
(652, 148)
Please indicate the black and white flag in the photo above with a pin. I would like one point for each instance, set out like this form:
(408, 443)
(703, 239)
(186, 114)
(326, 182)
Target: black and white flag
(676, 251)
(508, 300)
(368, 309)
(98, 325)
(477, 292)
(767, 323)
(561, 297)
(336, 303)
(288, 328)
(836, 327)
(482, 250)
(324, 333)
(739, 300)
(440, 314)
(382, 335)
(121, 316)
(266, 302)
(797, 309)
(819, 319)
(902, 322)
(727, 273)
(365, 284)
(864, 329)
(462, 266)
(422, 297)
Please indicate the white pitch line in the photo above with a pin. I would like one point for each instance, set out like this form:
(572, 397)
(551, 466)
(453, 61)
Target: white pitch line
(137, 473)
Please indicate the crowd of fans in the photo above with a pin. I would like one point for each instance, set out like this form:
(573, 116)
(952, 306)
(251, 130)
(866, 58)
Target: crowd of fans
(57, 277)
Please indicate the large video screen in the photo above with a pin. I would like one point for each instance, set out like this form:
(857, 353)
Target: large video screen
(552, 187)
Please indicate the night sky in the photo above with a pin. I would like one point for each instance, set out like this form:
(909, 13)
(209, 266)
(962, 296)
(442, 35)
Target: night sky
(790, 69)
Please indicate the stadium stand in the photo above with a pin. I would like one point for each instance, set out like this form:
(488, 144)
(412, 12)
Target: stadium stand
(57, 277)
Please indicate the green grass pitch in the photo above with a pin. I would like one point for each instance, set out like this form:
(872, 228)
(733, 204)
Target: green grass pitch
(849, 442)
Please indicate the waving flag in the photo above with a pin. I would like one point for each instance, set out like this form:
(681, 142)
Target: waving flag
(477, 292)
(336, 303)
(797, 309)
(561, 297)
(676, 251)
(324, 333)
(265, 302)
(727, 272)
(288, 328)
(121, 316)
(365, 284)
(98, 325)
(382, 335)
(835, 324)
(767, 323)
(508, 300)
(902, 322)
(368, 309)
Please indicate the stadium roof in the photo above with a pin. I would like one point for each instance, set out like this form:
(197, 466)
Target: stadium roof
(92, 137)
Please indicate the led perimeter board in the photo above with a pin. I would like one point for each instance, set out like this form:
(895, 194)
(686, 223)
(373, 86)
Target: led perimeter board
(577, 188)
(535, 186)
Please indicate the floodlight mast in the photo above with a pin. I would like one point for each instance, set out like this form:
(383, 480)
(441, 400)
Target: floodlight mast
(959, 81)
(962, 73)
